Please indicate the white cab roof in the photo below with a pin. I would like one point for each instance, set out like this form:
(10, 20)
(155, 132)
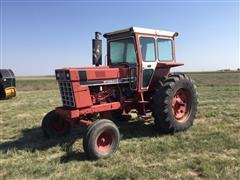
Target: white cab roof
(144, 31)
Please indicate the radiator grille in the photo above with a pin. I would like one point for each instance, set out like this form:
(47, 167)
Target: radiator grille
(67, 94)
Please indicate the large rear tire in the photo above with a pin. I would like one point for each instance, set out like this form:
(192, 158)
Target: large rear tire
(175, 104)
(101, 140)
(54, 126)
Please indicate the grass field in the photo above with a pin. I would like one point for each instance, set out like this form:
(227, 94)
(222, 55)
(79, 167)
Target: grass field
(210, 149)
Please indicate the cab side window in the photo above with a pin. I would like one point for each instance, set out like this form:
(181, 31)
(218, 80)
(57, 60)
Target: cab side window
(122, 50)
(131, 54)
(147, 49)
(165, 51)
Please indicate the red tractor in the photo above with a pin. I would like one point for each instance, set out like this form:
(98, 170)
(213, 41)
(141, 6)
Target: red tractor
(137, 76)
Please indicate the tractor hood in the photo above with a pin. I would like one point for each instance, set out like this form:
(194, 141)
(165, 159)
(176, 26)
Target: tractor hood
(94, 75)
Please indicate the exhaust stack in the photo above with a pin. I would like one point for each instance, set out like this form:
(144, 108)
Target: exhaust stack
(97, 49)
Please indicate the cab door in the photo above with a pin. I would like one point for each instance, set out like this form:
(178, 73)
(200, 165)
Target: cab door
(149, 60)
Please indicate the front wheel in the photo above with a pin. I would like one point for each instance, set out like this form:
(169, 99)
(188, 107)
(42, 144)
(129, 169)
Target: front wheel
(101, 140)
(54, 126)
(175, 104)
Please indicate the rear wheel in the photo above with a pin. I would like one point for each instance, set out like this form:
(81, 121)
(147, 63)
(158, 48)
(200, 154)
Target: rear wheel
(101, 140)
(175, 104)
(54, 126)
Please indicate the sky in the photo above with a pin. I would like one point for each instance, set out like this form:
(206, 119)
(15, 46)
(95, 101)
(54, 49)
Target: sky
(38, 36)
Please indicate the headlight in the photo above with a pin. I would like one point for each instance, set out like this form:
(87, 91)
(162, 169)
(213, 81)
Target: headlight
(57, 75)
(67, 75)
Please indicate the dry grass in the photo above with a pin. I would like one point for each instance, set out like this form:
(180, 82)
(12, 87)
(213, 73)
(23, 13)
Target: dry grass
(210, 149)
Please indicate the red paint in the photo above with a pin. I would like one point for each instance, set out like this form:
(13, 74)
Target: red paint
(179, 104)
(85, 122)
(168, 64)
(139, 57)
(104, 142)
(78, 113)
(74, 74)
(83, 98)
(105, 72)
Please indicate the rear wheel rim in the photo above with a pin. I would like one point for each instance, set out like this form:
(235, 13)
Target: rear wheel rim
(180, 105)
(104, 142)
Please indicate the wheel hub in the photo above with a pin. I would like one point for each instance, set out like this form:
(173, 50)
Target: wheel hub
(179, 105)
(104, 142)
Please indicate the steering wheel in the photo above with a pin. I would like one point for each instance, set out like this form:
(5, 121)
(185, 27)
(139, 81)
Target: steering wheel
(124, 63)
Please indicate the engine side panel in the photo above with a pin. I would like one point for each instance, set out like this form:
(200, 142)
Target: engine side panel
(84, 87)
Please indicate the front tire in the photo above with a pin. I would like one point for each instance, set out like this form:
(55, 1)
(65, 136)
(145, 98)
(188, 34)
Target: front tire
(175, 104)
(101, 140)
(54, 126)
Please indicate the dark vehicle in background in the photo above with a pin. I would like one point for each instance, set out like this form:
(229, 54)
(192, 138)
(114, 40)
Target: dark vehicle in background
(7, 84)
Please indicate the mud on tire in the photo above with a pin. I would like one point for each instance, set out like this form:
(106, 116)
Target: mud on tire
(175, 103)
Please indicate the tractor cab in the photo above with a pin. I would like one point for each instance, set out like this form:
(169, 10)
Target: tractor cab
(147, 53)
(7, 84)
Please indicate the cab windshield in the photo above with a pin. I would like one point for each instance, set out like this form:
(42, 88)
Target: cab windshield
(122, 51)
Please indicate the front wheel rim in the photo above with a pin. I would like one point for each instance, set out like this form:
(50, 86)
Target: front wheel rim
(181, 105)
(104, 142)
